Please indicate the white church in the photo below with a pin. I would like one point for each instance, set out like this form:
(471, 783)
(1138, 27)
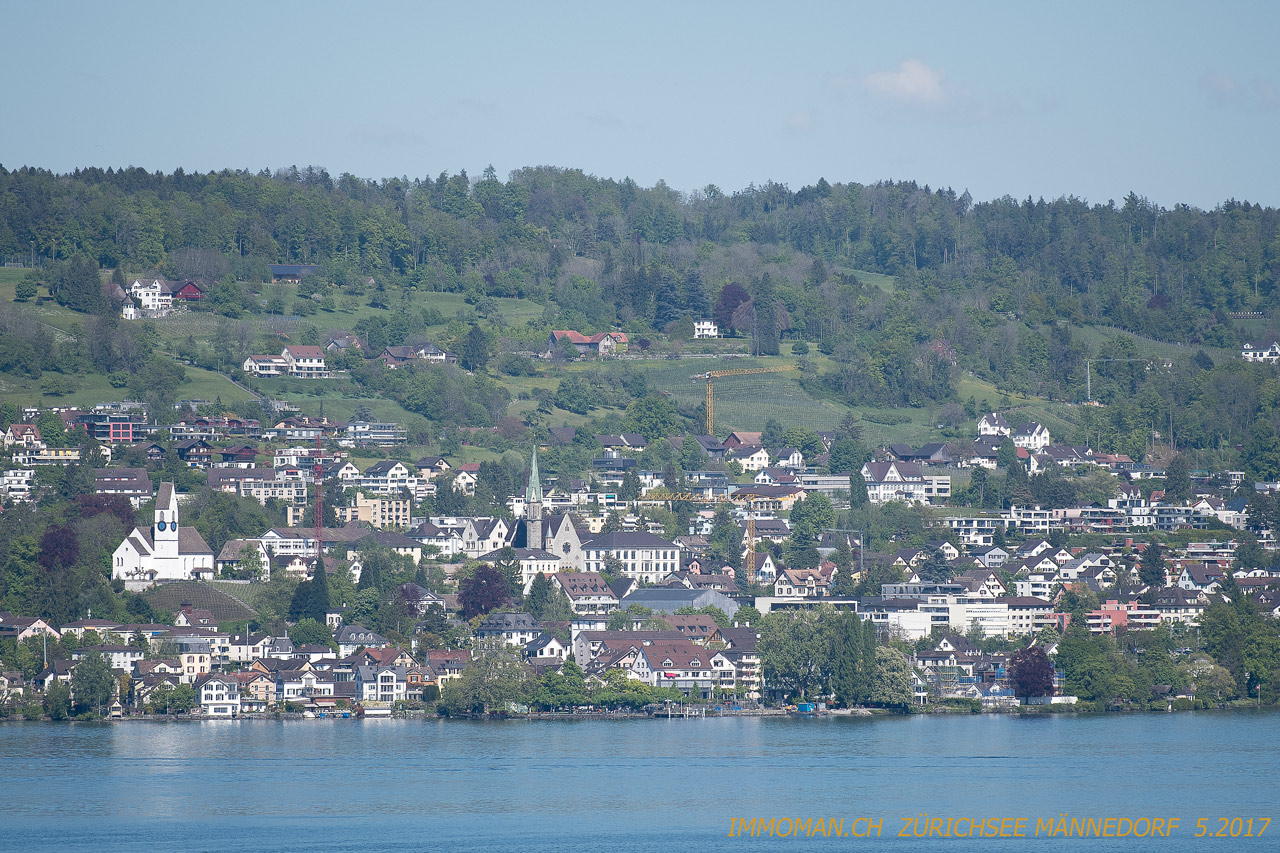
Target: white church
(163, 552)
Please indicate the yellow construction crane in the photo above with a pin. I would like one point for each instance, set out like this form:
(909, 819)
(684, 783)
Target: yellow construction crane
(712, 375)
(749, 561)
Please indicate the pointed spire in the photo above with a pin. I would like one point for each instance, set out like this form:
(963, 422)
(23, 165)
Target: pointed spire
(534, 491)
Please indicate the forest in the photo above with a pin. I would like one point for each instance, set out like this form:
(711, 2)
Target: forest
(903, 289)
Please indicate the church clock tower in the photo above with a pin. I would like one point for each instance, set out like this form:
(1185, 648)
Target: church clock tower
(533, 506)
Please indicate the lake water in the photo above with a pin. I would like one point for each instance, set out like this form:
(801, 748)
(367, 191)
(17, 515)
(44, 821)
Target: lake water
(407, 785)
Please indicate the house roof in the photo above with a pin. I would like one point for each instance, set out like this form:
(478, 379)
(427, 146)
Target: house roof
(625, 539)
(502, 622)
(677, 655)
(292, 269)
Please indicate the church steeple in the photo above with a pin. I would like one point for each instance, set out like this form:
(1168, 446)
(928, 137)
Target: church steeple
(533, 505)
(533, 493)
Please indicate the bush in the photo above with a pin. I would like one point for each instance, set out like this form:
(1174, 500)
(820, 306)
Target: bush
(799, 348)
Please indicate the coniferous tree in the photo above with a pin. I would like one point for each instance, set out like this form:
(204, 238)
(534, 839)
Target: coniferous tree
(318, 602)
(666, 299)
(695, 296)
(765, 300)
(540, 592)
(1151, 567)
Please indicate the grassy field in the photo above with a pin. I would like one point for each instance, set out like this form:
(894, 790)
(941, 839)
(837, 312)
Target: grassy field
(1095, 336)
(741, 402)
(874, 279)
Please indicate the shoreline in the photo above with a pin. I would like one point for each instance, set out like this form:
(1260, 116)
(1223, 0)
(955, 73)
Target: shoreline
(856, 713)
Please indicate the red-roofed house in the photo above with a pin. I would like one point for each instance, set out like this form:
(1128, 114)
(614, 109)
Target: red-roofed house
(305, 362)
(601, 343)
(25, 435)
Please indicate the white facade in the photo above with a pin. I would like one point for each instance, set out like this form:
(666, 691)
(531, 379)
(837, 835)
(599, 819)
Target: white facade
(163, 552)
(220, 697)
(705, 329)
(1268, 352)
(1032, 436)
(265, 365)
(993, 424)
(152, 296)
(381, 684)
(904, 481)
(305, 362)
(644, 557)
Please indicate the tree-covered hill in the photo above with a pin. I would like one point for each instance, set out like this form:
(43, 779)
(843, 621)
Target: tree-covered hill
(890, 282)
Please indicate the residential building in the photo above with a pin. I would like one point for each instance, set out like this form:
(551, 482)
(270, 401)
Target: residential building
(903, 481)
(1267, 351)
(515, 629)
(994, 424)
(587, 592)
(381, 513)
(352, 638)
(1032, 436)
(305, 362)
(381, 683)
(219, 695)
(705, 329)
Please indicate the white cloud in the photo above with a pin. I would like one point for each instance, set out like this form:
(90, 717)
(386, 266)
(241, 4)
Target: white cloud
(800, 121)
(1224, 90)
(915, 90)
(913, 84)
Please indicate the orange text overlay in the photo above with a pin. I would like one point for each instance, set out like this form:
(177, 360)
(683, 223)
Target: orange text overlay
(805, 827)
(1060, 826)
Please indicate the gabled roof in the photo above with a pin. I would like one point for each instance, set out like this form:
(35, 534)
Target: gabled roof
(503, 622)
(677, 655)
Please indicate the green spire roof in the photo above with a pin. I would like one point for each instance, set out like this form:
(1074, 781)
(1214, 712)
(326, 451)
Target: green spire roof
(534, 491)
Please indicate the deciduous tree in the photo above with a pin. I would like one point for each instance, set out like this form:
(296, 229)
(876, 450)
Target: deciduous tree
(1031, 673)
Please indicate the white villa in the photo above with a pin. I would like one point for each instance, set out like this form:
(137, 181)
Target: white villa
(705, 329)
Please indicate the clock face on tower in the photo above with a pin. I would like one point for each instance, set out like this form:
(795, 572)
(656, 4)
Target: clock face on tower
(160, 525)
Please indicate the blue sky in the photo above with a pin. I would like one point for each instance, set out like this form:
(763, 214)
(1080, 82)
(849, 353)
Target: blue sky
(1179, 102)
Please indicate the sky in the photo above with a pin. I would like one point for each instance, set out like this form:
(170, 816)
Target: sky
(1176, 101)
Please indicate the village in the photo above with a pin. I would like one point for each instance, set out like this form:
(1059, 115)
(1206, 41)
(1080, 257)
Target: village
(631, 604)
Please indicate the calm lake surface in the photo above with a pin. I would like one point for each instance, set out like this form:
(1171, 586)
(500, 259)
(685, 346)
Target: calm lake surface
(401, 785)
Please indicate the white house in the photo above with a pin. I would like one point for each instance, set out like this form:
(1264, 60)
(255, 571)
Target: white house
(679, 664)
(750, 457)
(516, 629)
(116, 656)
(305, 362)
(1267, 351)
(533, 562)
(705, 329)
(163, 552)
(352, 638)
(153, 297)
(1032, 436)
(265, 365)
(904, 481)
(23, 435)
(381, 683)
(219, 696)
(388, 477)
(587, 592)
(994, 424)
